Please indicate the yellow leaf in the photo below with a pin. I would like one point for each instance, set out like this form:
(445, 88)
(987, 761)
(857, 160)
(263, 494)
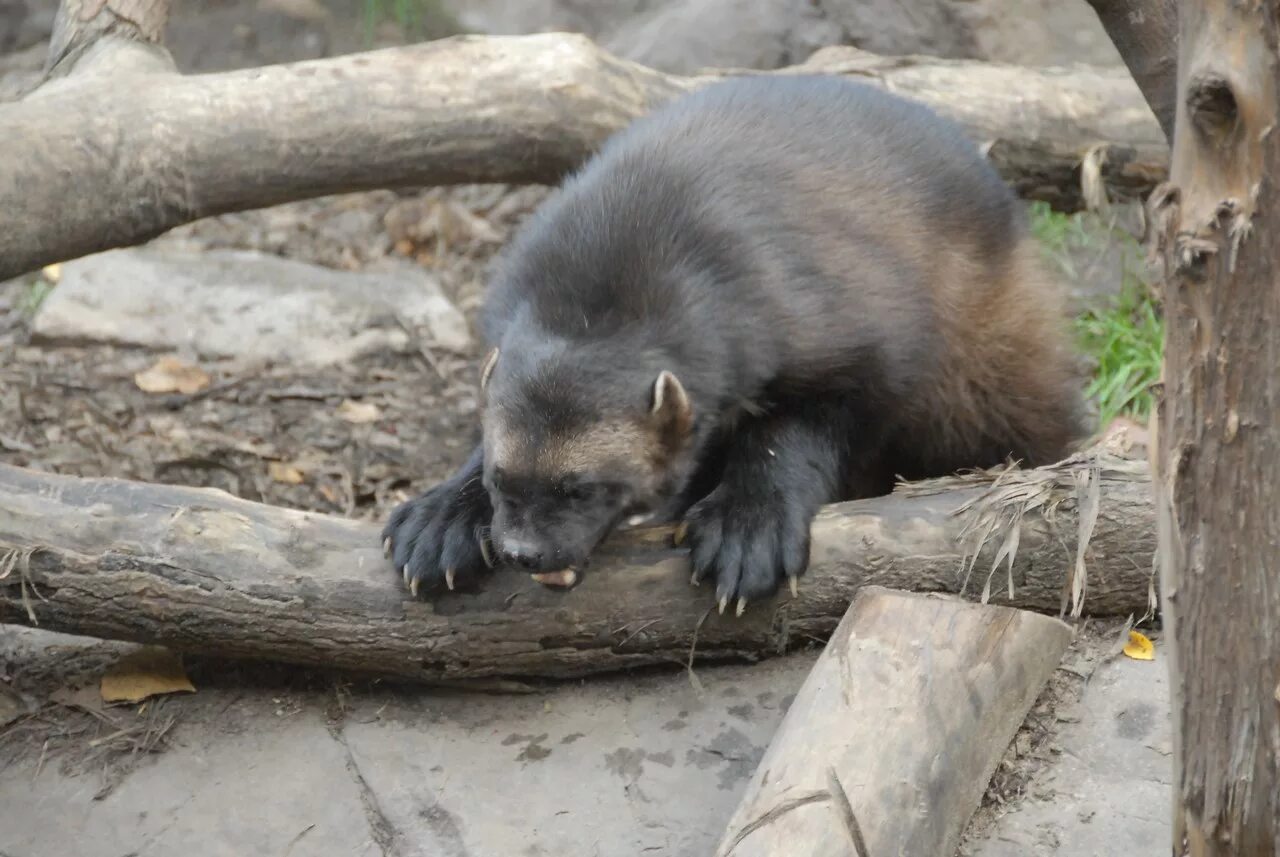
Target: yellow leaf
(286, 473)
(172, 375)
(357, 412)
(149, 671)
(1139, 647)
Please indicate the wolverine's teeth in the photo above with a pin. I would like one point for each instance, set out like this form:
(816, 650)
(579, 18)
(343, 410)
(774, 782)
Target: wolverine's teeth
(448, 577)
(742, 606)
(795, 588)
(386, 546)
(485, 554)
(565, 577)
(639, 520)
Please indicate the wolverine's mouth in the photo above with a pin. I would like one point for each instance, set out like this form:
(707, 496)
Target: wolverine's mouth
(565, 578)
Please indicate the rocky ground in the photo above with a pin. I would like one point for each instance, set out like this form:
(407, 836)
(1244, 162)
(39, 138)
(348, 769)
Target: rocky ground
(313, 400)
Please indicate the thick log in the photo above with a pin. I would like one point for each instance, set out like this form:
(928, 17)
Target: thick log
(895, 733)
(123, 149)
(202, 571)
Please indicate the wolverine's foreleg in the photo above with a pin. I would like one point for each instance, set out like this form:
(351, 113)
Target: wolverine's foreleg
(752, 531)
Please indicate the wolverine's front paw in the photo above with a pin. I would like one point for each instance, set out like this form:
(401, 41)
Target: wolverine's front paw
(441, 538)
(748, 542)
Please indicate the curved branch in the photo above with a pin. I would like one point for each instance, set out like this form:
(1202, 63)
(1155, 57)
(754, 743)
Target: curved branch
(96, 163)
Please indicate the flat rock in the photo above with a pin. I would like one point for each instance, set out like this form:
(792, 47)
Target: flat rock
(1109, 790)
(619, 766)
(231, 303)
(633, 765)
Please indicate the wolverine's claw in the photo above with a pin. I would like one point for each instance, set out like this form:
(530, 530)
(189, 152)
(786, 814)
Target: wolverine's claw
(386, 546)
(742, 606)
(413, 587)
(694, 579)
(406, 574)
(448, 577)
(682, 530)
(724, 602)
(795, 587)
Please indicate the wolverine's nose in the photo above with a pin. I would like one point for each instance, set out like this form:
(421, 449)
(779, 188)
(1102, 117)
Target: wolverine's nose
(521, 553)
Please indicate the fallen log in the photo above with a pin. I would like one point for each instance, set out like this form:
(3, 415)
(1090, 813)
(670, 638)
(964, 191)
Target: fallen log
(121, 148)
(202, 571)
(893, 737)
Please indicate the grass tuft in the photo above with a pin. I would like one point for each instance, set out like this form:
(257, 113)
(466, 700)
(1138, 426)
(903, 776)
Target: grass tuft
(1122, 335)
(1125, 337)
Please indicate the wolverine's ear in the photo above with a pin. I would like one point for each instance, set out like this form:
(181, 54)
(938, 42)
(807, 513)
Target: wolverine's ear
(487, 369)
(671, 405)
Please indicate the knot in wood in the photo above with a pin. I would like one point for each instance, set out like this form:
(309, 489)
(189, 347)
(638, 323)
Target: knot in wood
(1211, 104)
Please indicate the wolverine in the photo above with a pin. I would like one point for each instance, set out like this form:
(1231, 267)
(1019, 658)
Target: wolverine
(770, 294)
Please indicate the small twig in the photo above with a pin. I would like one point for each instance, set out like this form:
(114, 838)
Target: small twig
(637, 631)
(774, 813)
(693, 644)
(294, 841)
(844, 809)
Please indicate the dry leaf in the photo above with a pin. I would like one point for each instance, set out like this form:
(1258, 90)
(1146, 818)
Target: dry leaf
(53, 272)
(1139, 647)
(329, 493)
(286, 473)
(149, 671)
(357, 412)
(172, 375)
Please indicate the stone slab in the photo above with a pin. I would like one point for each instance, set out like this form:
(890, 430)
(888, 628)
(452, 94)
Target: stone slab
(240, 304)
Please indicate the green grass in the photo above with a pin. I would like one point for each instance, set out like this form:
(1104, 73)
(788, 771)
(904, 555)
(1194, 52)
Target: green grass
(417, 19)
(1123, 336)
(1126, 339)
(33, 296)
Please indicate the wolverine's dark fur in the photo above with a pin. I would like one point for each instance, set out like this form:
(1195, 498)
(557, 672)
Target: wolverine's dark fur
(842, 291)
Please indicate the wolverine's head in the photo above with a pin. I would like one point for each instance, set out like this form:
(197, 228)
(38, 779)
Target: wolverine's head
(574, 442)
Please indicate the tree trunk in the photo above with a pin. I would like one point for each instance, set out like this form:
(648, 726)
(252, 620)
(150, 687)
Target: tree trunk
(201, 571)
(1218, 451)
(1145, 32)
(893, 737)
(168, 149)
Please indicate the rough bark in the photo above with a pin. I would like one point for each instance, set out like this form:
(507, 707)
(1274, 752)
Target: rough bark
(118, 156)
(1218, 450)
(202, 571)
(893, 737)
(1145, 32)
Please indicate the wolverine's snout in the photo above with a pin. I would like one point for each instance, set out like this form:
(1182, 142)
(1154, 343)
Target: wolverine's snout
(524, 553)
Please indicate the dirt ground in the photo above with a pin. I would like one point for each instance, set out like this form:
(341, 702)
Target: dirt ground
(78, 410)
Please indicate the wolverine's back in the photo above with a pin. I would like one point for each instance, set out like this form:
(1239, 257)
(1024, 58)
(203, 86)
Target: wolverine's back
(799, 233)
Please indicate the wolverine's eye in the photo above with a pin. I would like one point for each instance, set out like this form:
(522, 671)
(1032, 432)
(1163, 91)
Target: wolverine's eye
(577, 491)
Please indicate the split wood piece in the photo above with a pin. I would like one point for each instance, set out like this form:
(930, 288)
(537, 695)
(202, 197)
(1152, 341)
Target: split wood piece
(897, 730)
(201, 571)
(165, 149)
